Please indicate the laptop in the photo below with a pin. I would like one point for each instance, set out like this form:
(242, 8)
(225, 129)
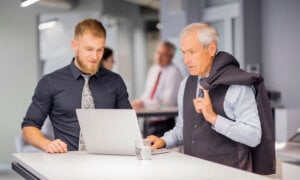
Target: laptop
(110, 131)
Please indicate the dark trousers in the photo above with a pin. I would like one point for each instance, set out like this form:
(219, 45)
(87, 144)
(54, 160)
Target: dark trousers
(158, 128)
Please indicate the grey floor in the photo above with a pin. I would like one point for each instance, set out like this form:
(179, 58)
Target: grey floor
(6, 173)
(9, 175)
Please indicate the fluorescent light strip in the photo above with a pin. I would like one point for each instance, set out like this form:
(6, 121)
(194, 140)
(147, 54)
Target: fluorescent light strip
(47, 25)
(28, 2)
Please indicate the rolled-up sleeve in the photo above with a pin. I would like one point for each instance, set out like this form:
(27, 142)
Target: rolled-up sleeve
(40, 105)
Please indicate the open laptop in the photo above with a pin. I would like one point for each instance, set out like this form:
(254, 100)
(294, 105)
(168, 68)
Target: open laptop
(110, 131)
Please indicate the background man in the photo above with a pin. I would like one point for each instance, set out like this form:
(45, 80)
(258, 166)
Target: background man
(161, 88)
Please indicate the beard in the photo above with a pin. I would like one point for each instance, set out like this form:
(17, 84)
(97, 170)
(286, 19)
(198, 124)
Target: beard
(86, 68)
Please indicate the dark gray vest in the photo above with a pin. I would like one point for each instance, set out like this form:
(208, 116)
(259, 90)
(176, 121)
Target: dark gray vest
(200, 140)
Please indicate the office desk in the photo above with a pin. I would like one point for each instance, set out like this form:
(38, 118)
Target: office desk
(80, 165)
(167, 112)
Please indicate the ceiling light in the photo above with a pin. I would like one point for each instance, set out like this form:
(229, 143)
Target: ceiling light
(26, 3)
(48, 24)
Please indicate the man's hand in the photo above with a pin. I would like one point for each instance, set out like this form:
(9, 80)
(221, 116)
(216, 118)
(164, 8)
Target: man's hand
(156, 142)
(137, 105)
(56, 146)
(34, 136)
(203, 105)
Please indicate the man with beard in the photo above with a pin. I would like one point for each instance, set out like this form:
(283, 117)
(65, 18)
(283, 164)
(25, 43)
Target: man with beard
(58, 94)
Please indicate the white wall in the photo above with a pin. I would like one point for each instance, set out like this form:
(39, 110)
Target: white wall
(20, 65)
(280, 48)
(18, 70)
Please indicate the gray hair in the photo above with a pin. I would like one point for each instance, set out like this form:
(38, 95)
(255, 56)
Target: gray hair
(206, 33)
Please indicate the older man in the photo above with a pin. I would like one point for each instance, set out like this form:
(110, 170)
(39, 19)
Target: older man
(222, 109)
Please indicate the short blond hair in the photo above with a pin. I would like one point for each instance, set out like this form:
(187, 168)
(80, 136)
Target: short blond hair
(205, 32)
(92, 26)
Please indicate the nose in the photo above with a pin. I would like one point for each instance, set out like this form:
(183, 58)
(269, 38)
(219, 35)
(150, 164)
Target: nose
(96, 55)
(186, 58)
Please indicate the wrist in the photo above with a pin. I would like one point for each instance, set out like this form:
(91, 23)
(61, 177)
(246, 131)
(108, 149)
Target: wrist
(213, 119)
(45, 144)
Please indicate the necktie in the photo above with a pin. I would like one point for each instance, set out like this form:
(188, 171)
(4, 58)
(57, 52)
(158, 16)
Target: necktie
(155, 86)
(87, 102)
(200, 93)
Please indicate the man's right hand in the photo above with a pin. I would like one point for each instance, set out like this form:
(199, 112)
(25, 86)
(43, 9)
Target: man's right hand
(156, 142)
(35, 137)
(56, 146)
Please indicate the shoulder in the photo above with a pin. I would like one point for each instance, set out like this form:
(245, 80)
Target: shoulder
(56, 78)
(109, 75)
(154, 67)
(173, 69)
(59, 73)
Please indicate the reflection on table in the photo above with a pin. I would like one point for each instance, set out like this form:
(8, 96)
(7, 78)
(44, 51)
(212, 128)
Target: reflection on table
(164, 111)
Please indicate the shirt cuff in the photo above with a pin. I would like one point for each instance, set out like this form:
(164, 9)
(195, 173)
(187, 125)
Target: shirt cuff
(222, 125)
(168, 141)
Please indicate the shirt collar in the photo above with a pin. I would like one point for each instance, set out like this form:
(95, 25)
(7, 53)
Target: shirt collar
(77, 73)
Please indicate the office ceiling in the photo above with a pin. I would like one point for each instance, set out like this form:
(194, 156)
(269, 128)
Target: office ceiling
(61, 4)
(148, 3)
(68, 4)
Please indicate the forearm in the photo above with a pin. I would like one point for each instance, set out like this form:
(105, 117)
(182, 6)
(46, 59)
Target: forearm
(248, 134)
(34, 136)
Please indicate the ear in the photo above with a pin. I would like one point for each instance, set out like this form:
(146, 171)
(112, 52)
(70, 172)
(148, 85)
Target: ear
(74, 45)
(212, 49)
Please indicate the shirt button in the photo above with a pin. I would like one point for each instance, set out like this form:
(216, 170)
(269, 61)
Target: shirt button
(193, 142)
(195, 126)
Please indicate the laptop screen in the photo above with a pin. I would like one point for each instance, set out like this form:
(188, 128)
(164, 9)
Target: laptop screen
(109, 131)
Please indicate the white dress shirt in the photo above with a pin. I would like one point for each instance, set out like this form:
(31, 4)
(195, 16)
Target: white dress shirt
(239, 104)
(167, 88)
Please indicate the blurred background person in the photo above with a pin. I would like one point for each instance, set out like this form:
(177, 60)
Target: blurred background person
(108, 58)
(161, 88)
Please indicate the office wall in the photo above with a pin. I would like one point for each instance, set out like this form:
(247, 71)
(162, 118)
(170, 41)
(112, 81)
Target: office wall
(280, 48)
(21, 68)
(18, 70)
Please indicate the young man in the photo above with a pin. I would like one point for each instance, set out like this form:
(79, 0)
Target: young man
(219, 108)
(82, 84)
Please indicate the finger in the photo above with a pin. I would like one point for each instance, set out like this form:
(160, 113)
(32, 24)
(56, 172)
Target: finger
(63, 145)
(57, 146)
(156, 142)
(159, 143)
(50, 149)
(151, 138)
(206, 95)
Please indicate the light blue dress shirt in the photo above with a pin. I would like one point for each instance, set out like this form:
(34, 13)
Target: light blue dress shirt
(239, 105)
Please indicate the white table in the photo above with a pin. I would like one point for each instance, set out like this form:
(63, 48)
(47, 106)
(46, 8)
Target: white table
(80, 165)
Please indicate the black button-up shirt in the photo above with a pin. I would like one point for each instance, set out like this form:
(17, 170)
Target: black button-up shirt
(58, 94)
